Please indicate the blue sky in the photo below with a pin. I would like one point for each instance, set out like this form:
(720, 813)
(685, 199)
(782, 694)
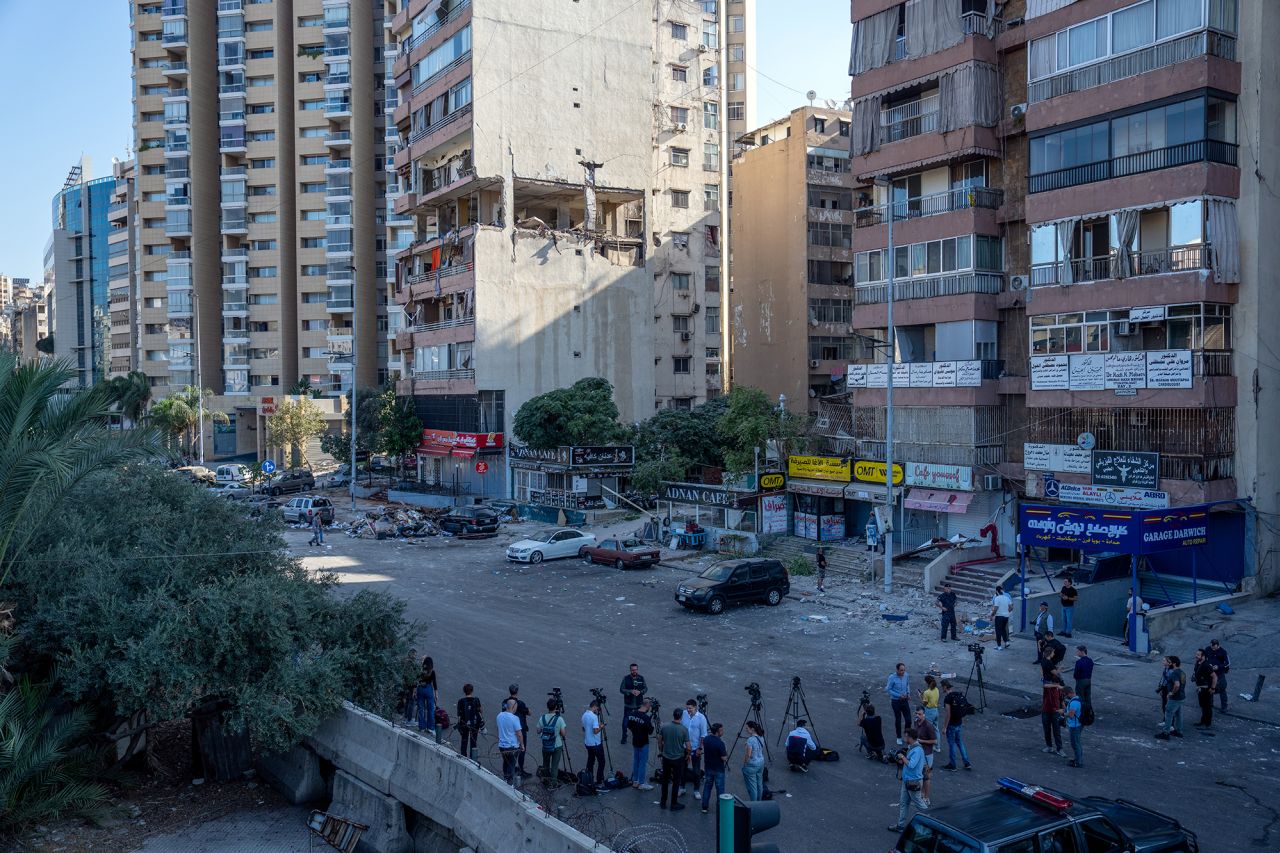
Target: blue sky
(66, 64)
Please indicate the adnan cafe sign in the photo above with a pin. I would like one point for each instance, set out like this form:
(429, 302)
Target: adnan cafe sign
(439, 442)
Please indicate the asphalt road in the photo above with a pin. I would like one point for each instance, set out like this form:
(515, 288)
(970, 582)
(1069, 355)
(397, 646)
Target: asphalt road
(565, 624)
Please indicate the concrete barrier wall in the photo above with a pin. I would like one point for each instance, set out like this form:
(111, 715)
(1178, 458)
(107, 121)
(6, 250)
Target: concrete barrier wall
(386, 764)
(1099, 607)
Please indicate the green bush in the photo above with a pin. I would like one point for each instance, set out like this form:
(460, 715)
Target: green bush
(799, 565)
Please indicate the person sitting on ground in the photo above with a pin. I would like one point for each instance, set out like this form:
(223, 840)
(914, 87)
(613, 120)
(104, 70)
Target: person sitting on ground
(801, 747)
(872, 739)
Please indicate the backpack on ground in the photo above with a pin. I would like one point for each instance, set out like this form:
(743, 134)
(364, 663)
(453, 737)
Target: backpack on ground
(547, 732)
(586, 786)
(825, 754)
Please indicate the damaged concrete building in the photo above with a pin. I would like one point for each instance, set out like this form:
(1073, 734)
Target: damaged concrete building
(549, 178)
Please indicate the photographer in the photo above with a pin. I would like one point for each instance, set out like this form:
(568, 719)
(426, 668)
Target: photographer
(470, 720)
(632, 689)
(801, 747)
(872, 738)
(954, 709)
(927, 737)
(641, 726)
(911, 760)
(551, 734)
(593, 739)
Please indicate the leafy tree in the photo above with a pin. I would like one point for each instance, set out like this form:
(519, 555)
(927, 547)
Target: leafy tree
(650, 472)
(49, 442)
(751, 422)
(178, 416)
(399, 431)
(368, 422)
(129, 394)
(145, 591)
(304, 388)
(582, 414)
(294, 423)
(690, 433)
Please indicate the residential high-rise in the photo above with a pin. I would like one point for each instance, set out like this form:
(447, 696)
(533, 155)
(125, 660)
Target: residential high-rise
(1079, 203)
(77, 259)
(122, 290)
(561, 201)
(261, 174)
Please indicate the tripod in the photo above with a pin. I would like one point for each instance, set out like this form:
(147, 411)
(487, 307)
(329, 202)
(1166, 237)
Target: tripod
(756, 714)
(796, 704)
(976, 671)
(604, 735)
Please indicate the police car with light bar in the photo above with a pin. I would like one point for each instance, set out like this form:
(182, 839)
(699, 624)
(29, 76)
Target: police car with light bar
(1022, 818)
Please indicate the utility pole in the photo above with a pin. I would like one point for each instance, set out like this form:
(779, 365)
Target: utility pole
(887, 185)
(355, 327)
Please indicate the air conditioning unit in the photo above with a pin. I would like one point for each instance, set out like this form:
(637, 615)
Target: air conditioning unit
(1125, 328)
(992, 482)
(702, 48)
(1017, 282)
(697, 307)
(686, 336)
(1017, 111)
(681, 127)
(813, 362)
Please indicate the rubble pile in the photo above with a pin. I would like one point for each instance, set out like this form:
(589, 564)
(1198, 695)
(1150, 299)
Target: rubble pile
(398, 522)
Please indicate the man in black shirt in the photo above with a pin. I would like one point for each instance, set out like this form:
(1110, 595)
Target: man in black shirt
(521, 711)
(632, 689)
(713, 764)
(1206, 679)
(1217, 657)
(470, 720)
(872, 739)
(641, 726)
(1051, 654)
(947, 607)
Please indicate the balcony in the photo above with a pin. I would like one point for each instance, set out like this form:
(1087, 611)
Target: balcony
(424, 132)
(1199, 151)
(421, 38)
(231, 116)
(233, 306)
(232, 282)
(337, 166)
(175, 68)
(425, 83)
(929, 288)
(236, 254)
(173, 8)
(337, 107)
(176, 94)
(935, 204)
(1172, 259)
(338, 138)
(910, 119)
(1133, 64)
(231, 89)
(434, 375)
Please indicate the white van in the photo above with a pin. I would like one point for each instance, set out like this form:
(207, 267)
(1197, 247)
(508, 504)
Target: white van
(232, 473)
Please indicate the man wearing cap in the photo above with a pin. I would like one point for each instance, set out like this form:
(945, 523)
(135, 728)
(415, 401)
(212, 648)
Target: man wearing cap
(946, 604)
(521, 710)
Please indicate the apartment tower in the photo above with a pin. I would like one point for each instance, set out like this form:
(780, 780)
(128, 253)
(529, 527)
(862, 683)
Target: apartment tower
(273, 109)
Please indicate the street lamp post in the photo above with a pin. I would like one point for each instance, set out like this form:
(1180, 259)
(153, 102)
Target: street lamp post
(355, 327)
(885, 184)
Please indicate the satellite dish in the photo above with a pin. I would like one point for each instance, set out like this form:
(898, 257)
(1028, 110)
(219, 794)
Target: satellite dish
(831, 104)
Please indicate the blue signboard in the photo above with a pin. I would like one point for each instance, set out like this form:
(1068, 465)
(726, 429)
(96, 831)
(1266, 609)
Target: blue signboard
(1098, 529)
(268, 467)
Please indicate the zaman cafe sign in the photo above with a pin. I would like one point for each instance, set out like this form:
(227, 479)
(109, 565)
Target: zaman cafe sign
(819, 468)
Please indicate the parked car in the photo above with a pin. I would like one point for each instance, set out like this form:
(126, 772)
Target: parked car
(259, 505)
(232, 491)
(298, 510)
(198, 473)
(335, 479)
(293, 480)
(736, 582)
(1020, 817)
(622, 554)
(232, 473)
(550, 546)
(470, 519)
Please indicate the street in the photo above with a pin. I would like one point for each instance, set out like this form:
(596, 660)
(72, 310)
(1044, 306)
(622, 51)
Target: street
(565, 624)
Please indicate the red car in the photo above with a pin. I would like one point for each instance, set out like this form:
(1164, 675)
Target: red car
(622, 554)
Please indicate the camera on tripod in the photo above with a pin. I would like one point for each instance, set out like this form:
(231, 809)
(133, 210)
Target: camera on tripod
(702, 702)
(977, 649)
(655, 707)
(558, 697)
(753, 689)
(864, 700)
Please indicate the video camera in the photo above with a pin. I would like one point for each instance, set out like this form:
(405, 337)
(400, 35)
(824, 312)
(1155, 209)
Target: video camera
(655, 707)
(977, 649)
(754, 690)
(702, 702)
(598, 695)
(558, 696)
(864, 700)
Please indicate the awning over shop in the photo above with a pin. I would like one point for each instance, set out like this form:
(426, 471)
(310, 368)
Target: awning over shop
(822, 488)
(935, 500)
(425, 449)
(464, 452)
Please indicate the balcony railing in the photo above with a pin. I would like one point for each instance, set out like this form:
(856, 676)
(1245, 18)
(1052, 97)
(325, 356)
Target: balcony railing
(235, 281)
(230, 5)
(1211, 362)
(928, 288)
(1151, 262)
(176, 67)
(1199, 151)
(421, 37)
(425, 83)
(1132, 64)
(443, 273)
(910, 119)
(975, 24)
(447, 324)
(456, 373)
(1196, 468)
(432, 128)
(947, 201)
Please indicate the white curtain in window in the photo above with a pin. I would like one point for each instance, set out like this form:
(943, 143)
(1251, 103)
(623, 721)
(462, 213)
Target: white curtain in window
(1126, 229)
(968, 95)
(1224, 239)
(873, 40)
(1066, 229)
(864, 136)
(931, 26)
(1178, 16)
(1036, 8)
(1133, 27)
(1043, 54)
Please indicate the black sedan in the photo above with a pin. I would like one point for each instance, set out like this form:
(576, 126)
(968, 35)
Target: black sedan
(469, 520)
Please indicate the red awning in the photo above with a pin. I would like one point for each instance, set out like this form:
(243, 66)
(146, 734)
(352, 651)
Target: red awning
(432, 450)
(938, 501)
(464, 452)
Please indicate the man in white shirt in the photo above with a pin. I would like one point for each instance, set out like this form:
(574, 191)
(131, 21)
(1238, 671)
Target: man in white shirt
(1132, 605)
(593, 740)
(695, 722)
(1001, 609)
(510, 741)
(801, 747)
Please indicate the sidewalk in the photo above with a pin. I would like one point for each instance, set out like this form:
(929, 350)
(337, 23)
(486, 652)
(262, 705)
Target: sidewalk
(275, 830)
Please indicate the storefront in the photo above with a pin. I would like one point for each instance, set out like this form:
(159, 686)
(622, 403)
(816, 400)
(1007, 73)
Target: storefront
(571, 477)
(461, 464)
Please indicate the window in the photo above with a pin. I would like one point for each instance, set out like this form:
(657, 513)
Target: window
(317, 104)
(831, 234)
(711, 278)
(150, 117)
(679, 73)
(314, 269)
(258, 82)
(264, 299)
(313, 242)
(680, 239)
(263, 245)
(258, 27)
(737, 111)
(261, 109)
(679, 323)
(827, 163)
(310, 77)
(679, 32)
(737, 81)
(710, 34)
(711, 115)
(711, 156)
(844, 128)
(312, 215)
(680, 157)
(736, 23)
(819, 124)
(822, 348)
(737, 53)
(262, 135)
(263, 163)
(1136, 26)
(679, 198)
(264, 272)
(681, 365)
(710, 196)
(155, 90)
(838, 311)
(266, 189)
(680, 281)
(313, 298)
(710, 7)
(314, 132)
(262, 53)
(263, 217)
(712, 326)
(711, 76)
(1196, 326)
(1099, 837)
(313, 159)
(679, 115)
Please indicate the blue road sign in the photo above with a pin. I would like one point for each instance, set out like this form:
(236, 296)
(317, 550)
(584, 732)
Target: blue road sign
(268, 467)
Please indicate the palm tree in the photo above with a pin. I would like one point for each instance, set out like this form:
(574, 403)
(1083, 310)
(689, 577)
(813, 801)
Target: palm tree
(178, 415)
(129, 395)
(50, 440)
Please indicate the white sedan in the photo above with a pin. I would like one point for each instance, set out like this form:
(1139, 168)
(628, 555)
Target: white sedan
(550, 546)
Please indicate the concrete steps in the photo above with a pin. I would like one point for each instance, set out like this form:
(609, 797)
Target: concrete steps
(847, 560)
(974, 585)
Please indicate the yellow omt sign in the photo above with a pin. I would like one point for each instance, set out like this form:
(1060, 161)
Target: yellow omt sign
(874, 472)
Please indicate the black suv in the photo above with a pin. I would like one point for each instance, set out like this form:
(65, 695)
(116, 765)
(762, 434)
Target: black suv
(735, 582)
(470, 519)
(1018, 818)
